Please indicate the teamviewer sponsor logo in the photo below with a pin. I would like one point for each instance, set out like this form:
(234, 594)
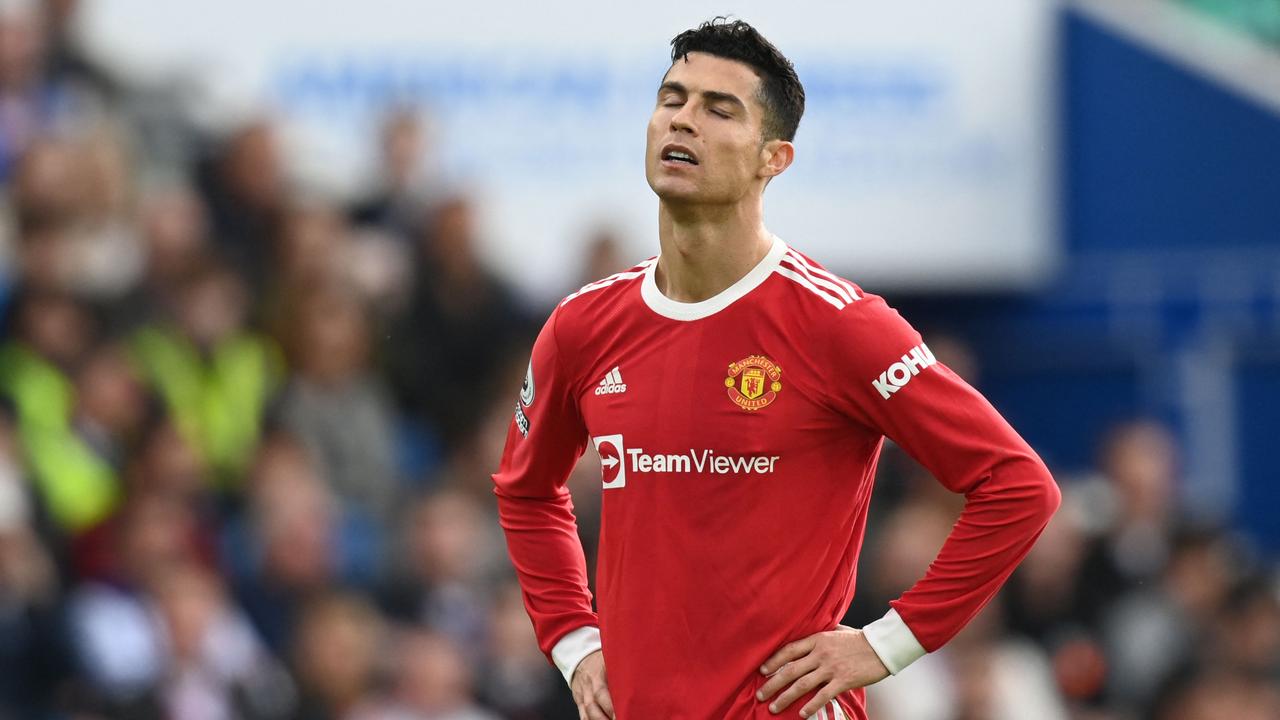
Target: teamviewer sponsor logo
(701, 461)
(612, 451)
(616, 459)
(901, 372)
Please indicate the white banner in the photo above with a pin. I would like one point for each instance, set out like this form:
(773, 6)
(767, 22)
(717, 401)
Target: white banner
(923, 160)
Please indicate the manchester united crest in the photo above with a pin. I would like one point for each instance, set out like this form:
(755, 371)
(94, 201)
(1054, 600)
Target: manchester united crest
(753, 382)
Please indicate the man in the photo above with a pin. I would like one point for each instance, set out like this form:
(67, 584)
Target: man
(738, 395)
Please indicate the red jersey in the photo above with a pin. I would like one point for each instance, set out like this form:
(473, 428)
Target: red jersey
(738, 438)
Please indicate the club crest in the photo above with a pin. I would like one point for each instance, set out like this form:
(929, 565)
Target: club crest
(753, 382)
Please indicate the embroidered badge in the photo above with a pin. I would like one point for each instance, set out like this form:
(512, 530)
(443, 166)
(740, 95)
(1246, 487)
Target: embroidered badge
(753, 382)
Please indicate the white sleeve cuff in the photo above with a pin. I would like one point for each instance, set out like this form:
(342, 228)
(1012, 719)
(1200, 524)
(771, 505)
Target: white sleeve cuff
(894, 642)
(573, 647)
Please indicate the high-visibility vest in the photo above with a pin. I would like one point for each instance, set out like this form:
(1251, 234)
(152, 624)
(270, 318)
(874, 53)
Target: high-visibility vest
(217, 399)
(42, 395)
(78, 486)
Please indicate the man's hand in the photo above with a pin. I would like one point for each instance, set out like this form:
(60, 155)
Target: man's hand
(589, 689)
(830, 662)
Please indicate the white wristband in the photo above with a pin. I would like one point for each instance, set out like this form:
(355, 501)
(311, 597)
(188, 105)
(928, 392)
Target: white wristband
(573, 647)
(894, 642)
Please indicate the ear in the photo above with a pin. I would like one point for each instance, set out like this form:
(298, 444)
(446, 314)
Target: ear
(775, 157)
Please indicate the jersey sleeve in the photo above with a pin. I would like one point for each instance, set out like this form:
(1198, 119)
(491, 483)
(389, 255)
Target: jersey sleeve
(896, 387)
(544, 442)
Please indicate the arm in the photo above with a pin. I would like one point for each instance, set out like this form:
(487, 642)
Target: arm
(545, 440)
(896, 387)
(900, 390)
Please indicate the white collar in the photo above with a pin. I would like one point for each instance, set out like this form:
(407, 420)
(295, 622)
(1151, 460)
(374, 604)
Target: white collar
(669, 308)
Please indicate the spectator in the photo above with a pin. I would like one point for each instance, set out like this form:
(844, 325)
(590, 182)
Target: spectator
(293, 542)
(309, 248)
(445, 584)
(73, 208)
(51, 334)
(1248, 630)
(1131, 513)
(460, 325)
(517, 680)
(33, 664)
(108, 254)
(283, 546)
(82, 465)
(163, 467)
(36, 95)
(317, 246)
(1044, 593)
(25, 100)
(404, 184)
(164, 462)
(465, 469)
(335, 406)
(215, 668)
(432, 682)
(174, 228)
(336, 657)
(1156, 631)
(1043, 602)
(115, 637)
(246, 187)
(214, 375)
(68, 425)
(1220, 694)
(46, 195)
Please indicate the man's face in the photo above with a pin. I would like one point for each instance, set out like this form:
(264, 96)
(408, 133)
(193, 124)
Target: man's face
(704, 139)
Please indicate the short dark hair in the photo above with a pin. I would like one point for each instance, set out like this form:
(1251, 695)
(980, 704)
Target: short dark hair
(780, 90)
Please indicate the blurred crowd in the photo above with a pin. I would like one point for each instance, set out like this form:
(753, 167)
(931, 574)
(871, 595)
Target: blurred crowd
(246, 432)
(1126, 609)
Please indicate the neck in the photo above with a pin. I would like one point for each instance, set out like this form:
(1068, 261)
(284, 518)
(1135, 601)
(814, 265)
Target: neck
(706, 249)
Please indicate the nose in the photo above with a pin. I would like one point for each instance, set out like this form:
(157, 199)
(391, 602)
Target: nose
(682, 119)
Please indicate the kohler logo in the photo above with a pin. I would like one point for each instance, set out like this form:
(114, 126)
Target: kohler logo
(901, 372)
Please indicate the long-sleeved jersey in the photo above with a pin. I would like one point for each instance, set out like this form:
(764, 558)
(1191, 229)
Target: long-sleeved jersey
(738, 440)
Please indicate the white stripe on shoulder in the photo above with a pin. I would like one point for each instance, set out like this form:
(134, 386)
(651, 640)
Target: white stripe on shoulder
(634, 272)
(816, 280)
(824, 273)
(804, 282)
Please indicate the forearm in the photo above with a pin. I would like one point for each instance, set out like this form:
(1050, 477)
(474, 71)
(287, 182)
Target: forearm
(1004, 513)
(543, 543)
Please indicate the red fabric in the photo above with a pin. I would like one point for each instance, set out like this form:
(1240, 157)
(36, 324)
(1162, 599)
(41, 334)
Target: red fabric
(703, 575)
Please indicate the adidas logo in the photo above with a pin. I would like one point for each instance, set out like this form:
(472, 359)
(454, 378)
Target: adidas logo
(612, 383)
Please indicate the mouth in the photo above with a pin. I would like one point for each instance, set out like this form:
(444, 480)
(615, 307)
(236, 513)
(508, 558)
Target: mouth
(678, 154)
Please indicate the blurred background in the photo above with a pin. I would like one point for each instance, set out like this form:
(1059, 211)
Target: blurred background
(269, 275)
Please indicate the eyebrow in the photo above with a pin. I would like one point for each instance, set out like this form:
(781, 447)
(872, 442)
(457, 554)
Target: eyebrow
(711, 96)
